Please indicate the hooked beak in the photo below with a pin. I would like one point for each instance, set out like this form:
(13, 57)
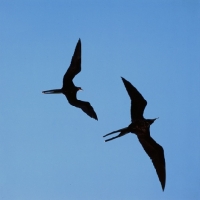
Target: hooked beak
(155, 119)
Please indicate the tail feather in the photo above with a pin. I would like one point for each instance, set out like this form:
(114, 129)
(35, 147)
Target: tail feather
(120, 130)
(123, 132)
(55, 91)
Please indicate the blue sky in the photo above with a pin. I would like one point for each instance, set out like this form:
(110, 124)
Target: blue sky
(50, 150)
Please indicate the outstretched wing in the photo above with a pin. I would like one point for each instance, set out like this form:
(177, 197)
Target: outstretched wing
(86, 107)
(75, 66)
(156, 153)
(138, 103)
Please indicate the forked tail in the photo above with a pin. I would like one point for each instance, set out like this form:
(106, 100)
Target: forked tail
(123, 132)
(55, 91)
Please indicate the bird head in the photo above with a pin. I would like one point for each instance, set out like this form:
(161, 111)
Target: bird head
(151, 121)
(79, 88)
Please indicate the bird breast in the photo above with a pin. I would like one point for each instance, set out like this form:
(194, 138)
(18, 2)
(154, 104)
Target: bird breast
(139, 127)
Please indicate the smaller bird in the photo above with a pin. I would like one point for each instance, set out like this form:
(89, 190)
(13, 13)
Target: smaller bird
(69, 89)
(141, 127)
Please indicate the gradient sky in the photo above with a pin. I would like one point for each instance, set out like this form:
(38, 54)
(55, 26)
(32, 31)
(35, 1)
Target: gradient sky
(50, 150)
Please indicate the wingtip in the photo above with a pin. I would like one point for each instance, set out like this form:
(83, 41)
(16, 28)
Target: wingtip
(95, 116)
(123, 79)
(163, 188)
(78, 43)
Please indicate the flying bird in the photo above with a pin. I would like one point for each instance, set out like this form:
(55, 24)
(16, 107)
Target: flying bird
(141, 127)
(69, 89)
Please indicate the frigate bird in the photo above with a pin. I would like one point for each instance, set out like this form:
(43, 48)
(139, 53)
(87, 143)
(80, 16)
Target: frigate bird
(69, 89)
(141, 127)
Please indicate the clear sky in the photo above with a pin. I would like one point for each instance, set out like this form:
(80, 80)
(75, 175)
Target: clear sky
(50, 150)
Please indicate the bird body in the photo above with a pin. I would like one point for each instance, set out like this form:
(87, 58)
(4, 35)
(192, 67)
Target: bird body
(69, 89)
(141, 127)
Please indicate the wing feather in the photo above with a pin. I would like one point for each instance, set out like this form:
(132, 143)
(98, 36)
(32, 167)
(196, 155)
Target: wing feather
(156, 153)
(75, 66)
(85, 106)
(138, 103)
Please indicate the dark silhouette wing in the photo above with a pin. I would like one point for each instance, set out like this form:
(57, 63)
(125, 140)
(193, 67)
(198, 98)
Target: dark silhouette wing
(85, 106)
(156, 153)
(138, 103)
(75, 66)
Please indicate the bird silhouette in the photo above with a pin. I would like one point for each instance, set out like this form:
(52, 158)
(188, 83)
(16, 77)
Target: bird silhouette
(141, 127)
(69, 89)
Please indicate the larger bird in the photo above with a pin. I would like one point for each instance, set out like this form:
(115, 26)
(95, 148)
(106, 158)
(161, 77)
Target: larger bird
(69, 89)
(141, 127)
